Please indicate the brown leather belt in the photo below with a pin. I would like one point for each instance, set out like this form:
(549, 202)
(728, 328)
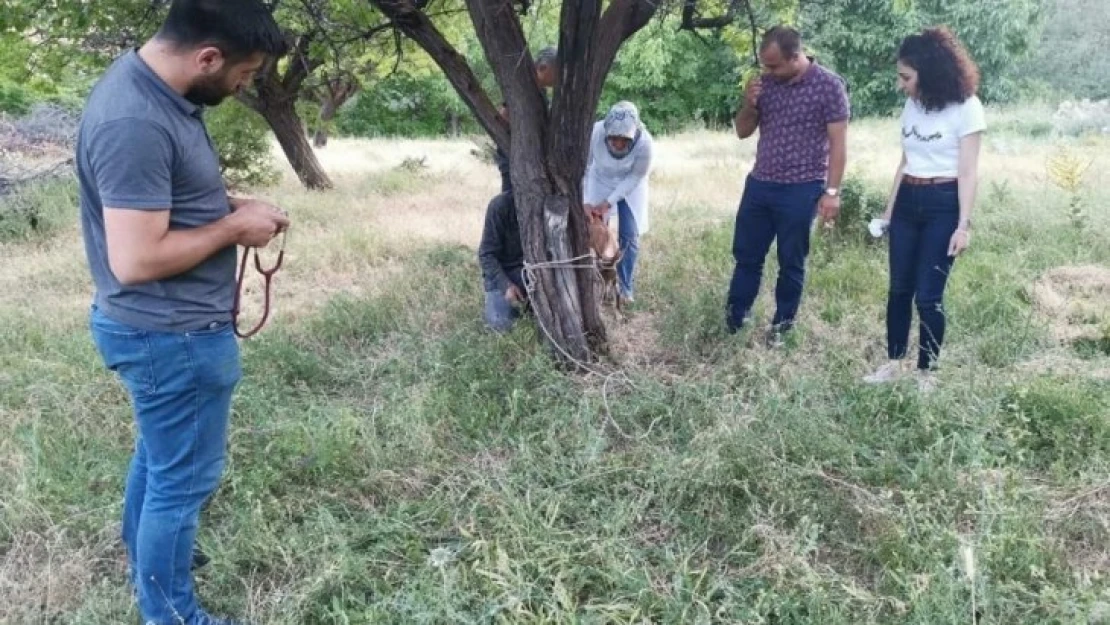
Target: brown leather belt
(908, 179)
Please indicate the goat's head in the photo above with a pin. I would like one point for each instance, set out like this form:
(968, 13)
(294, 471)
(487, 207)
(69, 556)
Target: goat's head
(602, 241)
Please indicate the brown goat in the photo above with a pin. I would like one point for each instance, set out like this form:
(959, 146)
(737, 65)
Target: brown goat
(606, 253)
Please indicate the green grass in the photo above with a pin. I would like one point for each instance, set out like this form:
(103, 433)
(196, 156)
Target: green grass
(391, 462)
(37, 210)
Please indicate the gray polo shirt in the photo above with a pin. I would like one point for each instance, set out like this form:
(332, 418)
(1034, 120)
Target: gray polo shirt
(142, 146)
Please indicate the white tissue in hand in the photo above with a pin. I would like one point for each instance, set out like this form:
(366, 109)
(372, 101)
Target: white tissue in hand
(877, 226)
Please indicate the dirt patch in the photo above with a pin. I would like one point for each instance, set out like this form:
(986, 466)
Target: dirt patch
(1075, 301)
(634, 338)
(1065, 362)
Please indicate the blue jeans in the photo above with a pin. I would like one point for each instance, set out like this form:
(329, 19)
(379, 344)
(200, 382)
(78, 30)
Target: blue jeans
(499, 313)
(180, 385)
(628, 237)
(770, 211)
(925, 216)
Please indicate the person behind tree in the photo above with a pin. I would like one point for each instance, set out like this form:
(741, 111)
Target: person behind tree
(547, 72)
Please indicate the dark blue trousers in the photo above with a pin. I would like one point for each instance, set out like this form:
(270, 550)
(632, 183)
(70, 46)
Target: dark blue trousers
(770, 211)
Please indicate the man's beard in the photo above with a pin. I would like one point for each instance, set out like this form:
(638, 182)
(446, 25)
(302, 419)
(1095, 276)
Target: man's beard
(208, 92)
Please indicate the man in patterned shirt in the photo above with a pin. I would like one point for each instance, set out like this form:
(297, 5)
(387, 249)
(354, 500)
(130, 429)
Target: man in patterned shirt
(801, 110)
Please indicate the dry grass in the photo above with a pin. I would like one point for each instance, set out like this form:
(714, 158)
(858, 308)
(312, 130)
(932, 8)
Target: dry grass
(45, 576)
(1074, 301)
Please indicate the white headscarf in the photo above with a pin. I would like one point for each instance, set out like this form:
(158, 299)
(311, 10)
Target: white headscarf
(622, 120)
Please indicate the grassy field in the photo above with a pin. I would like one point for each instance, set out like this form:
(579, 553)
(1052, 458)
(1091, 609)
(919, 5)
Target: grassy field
(391, 462)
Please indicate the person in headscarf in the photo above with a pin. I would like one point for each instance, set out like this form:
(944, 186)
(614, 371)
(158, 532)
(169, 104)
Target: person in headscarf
(616, 180)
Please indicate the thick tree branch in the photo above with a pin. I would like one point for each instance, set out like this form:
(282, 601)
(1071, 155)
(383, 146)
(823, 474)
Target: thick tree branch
(418, 27)
(691, 17)
(301, 65)
(625, 17)
(503, 42)
(692, 20)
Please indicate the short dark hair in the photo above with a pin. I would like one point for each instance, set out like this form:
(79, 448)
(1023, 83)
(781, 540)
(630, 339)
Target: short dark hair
(239, 28)
(945, 72)
(786, 38)
(547, 56)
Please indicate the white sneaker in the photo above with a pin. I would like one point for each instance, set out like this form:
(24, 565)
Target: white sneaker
(887, 373)
(926, 381)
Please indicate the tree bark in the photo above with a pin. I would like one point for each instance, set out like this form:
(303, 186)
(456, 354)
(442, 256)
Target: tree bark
(290, 133)
(275, 98)
(327, 113)
(333, 94)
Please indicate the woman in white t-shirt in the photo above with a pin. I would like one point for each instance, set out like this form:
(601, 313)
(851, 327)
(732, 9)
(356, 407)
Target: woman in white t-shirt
(929, 211)
(616, 181)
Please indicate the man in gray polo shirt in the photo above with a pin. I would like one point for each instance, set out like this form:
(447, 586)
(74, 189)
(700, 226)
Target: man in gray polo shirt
(160, 236)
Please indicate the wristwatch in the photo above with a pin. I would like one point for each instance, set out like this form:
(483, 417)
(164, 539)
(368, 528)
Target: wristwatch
(832, 191)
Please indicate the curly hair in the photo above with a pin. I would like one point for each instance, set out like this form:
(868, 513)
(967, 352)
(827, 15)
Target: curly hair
(945, 72)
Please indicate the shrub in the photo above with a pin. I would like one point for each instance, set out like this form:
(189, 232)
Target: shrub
(860, 202)
(242, 139)
(14, 99)
(405, 105)
(38, 209)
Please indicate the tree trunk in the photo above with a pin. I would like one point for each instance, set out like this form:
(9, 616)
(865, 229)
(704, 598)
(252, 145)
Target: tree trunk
(327, 113)
(290, 133)
(453, 121)
(548, 210)
(275, 97)
(547, 153)
(333, 95)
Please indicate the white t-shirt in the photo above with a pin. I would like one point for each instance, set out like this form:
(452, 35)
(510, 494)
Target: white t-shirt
(931, 140)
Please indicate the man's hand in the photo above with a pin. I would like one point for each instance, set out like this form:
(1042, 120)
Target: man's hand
(257, 222)
(513, 294)
(828, 207)
(142, 247)
(747, 116)
(753, 91)
(959, 242)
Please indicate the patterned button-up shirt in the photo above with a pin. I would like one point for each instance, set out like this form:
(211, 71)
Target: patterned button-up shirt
(793, 125)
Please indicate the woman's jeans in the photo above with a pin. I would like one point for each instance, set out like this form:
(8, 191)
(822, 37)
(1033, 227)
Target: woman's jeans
(921, 228)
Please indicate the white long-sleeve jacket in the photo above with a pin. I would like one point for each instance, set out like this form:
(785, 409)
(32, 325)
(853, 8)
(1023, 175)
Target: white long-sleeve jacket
(616, 179)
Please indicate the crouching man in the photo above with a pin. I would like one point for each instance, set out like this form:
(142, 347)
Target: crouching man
(501, 257)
